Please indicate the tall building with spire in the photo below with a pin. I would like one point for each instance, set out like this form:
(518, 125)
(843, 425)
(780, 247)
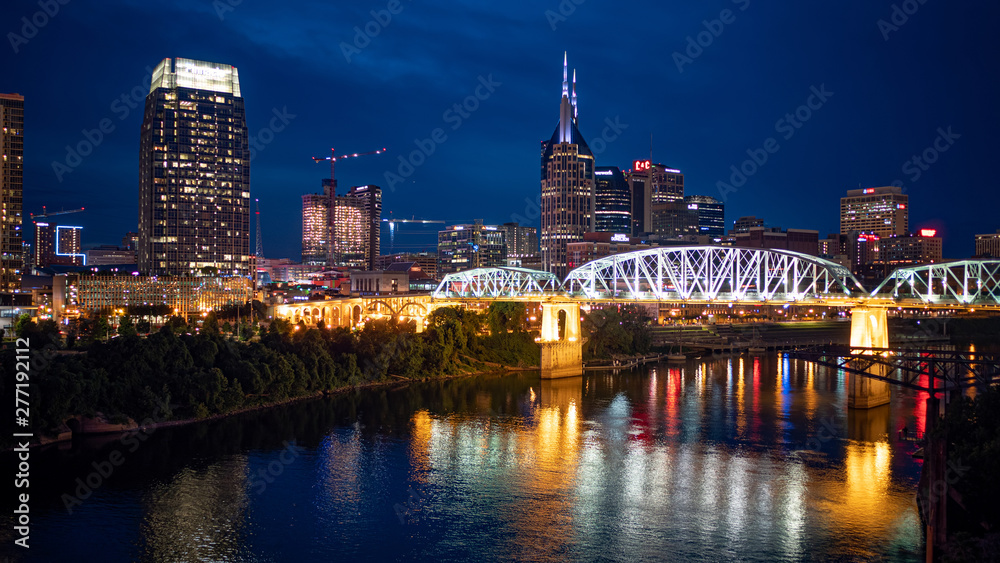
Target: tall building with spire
(568, 187)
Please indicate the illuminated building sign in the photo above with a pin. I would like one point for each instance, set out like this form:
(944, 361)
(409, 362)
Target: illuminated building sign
(619, 237)
(693, 206)
(602, 173)
(869, 190)
(928, 232)
(642, 165)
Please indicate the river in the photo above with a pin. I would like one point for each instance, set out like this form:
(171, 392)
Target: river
(756, 459)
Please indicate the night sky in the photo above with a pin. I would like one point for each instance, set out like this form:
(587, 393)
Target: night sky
(894, 86)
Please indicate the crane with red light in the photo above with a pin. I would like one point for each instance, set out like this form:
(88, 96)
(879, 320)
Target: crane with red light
(333, 158)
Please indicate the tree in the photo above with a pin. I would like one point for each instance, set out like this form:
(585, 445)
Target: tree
(227, 327)
(126, 327)
(143, 326)
(211, 324)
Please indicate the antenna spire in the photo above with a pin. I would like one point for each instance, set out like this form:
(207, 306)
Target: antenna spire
(565, 74)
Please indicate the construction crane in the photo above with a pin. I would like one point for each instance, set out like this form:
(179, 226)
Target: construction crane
(45, 214)
(333, 158)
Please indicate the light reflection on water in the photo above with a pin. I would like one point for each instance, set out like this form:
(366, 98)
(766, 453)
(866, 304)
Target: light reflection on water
(738, 458)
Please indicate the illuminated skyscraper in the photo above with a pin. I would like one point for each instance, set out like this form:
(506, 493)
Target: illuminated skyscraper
(371, 202)
(194, 172)
(652, 187)
(882, 211)
(315, 229)
(568, 191)
(11, 190)
(711, 214)
(348, 232)
(613, 213)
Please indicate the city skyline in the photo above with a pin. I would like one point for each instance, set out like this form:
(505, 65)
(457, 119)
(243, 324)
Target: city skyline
(310, 84)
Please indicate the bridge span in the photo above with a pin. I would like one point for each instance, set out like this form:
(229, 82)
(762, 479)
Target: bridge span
(697, 275)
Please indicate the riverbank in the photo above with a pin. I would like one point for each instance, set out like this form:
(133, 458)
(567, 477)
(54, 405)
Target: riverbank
(395, 382)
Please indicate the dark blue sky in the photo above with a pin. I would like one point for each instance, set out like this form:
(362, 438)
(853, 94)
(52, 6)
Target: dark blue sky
(892, 90)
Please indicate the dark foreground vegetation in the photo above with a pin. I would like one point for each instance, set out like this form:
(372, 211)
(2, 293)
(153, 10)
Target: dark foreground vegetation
(972, 431)
(173, 374)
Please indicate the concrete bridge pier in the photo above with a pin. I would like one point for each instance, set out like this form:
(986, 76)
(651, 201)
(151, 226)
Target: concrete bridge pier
(562, 346)
(869, 329)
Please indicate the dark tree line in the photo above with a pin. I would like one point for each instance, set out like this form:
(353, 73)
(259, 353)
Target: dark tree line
(173, 373)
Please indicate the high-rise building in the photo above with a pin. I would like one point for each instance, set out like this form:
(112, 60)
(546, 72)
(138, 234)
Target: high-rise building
(601, 245)
(521, 242)
(348, 233)
(881, 211)
(58, 245)
(11, 191)
(668, 184)
(652, 185)
(465, 247)
(796, 240)
(194, 172)
(613, 199)
(315, 229)
(371, 201)
(567, 184)
(711, 214)
(641, 189)
(988, 246)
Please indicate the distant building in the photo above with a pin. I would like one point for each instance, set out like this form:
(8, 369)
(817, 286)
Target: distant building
(109, 255)
(426, 261)
(380, 283)
(11, 191)
(601, 245)
(567, 187)
(674, 220)
(419, 280)
(918, 249)
(522, 245)
(130, 241)
(881, 211)
(796, 240)
(465, 247)
(988, 246)
(194, 172)
(613, 212)
(76, 294)
(711, 214)
(744, 224)
(58, 245)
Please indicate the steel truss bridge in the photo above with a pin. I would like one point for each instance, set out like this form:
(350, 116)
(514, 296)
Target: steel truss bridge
(718, 275)
(722, 274)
